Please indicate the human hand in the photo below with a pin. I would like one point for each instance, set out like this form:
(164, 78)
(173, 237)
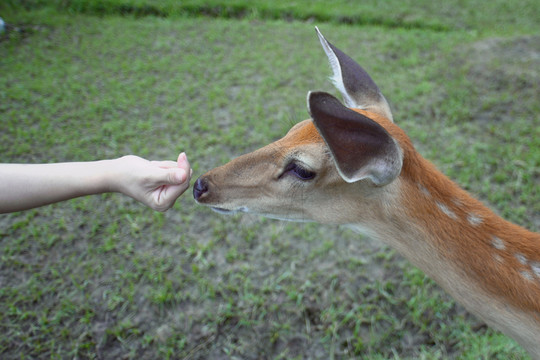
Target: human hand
(156, 184)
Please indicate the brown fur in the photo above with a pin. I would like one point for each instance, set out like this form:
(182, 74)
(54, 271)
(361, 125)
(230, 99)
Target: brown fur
(460, 254)
(467, 244)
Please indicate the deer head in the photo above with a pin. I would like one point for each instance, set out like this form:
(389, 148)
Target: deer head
(324, 166)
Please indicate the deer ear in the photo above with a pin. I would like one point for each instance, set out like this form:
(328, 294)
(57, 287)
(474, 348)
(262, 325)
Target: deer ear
(353, 82)
(361, 148)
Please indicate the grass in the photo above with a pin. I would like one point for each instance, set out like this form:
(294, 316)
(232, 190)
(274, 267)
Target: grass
(500, 16)
(103, 277)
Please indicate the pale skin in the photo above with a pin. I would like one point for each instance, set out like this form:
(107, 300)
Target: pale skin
(156, 184)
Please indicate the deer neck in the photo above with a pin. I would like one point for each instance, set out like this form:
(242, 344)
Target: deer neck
(470, 251)
(502, 257)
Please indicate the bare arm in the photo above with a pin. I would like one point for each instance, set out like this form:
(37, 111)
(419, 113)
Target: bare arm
(156, 184)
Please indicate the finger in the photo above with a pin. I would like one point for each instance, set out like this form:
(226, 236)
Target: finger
(172, 176)
(181, 158)
(183, 161)
(164, 164)
(170, 194)
(180, 176)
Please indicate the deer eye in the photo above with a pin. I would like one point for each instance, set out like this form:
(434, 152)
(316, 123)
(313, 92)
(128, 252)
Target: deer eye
(298, 171)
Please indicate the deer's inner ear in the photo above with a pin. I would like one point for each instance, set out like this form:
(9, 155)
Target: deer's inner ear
(361, 148)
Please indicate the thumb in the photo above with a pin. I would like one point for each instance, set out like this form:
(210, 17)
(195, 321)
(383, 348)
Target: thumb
(174, 176)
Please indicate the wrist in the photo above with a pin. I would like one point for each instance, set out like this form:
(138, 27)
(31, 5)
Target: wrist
(109, 177)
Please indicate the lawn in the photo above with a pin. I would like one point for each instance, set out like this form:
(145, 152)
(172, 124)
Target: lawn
(102, 277)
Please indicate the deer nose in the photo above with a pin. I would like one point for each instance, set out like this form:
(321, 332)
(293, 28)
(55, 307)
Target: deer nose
(200, 188)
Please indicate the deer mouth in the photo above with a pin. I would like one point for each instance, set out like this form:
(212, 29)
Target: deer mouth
(229, 211)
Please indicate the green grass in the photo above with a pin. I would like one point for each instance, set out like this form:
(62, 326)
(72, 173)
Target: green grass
(494, 16)
(103, 277)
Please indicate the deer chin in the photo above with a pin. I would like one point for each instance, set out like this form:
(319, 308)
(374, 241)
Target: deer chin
(219, 210)
(283, 218)
(246, 210)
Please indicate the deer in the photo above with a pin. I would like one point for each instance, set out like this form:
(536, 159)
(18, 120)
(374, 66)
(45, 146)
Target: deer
(350, 164)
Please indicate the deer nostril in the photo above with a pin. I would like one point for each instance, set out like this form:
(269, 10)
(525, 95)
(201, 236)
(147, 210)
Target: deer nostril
(200, 188)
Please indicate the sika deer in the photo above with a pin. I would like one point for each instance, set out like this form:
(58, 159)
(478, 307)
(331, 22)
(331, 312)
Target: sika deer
(352, 165)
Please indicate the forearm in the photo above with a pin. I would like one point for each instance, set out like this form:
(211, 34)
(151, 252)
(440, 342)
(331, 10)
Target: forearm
(27, 186)
(156, 184)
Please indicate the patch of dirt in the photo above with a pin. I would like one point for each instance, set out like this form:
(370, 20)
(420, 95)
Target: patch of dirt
(498, 66)
(515, 61)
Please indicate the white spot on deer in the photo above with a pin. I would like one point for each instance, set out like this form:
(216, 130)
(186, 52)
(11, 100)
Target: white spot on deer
(535, 266)
(424, 190)
(526, 275)
(498, 258)
(498, 243)
(521, 258)
(445, 209)
(474, 219)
